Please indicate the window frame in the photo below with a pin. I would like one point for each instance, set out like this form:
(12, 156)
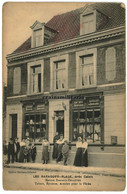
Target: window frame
(29, 66)
(79, 55)
(94, 22)
(53, 62)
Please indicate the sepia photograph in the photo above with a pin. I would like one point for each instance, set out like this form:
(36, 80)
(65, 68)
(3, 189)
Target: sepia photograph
(64, 97)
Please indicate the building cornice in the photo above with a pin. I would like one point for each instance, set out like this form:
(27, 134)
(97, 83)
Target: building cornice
(81, 40)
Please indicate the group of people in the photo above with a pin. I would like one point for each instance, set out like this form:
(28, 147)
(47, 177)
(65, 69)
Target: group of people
(25, 151)
(20, 152)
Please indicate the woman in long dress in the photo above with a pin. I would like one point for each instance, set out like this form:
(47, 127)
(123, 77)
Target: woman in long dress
(21, 154)
(78, 156)
(45, 151)
(55, 147)
(84, 153)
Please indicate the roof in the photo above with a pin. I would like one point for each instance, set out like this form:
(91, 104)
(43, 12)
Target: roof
(68, 24)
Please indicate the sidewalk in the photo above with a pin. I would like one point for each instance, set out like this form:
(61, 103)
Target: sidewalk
(117, 172)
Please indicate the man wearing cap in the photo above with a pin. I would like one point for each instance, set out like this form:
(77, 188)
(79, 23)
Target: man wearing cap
(16, 149)
(11, 150)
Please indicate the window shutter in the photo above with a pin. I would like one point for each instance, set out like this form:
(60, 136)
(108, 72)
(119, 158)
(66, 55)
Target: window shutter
(110, 64)
(17, 80)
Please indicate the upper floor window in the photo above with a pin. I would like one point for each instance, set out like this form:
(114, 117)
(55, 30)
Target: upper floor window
(59, 73)
(17, 80)
(86, 68)
(88, 23)
(60, 81)
(35, 77)
(110, 64)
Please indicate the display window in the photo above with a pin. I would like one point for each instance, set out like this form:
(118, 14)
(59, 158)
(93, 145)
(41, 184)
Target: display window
(35, 126)
(87, 118)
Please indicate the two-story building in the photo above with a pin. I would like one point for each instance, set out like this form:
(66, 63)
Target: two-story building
(69, 76)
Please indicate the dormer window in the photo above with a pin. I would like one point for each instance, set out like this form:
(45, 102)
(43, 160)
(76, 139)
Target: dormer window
(38, 37)
(37, 34)
(88, 23)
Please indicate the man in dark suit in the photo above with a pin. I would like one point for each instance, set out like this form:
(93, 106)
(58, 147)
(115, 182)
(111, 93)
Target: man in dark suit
(16, 149)
(11, 150)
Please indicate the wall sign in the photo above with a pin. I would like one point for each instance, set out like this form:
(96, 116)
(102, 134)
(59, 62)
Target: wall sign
(40, 107)
(79, 103)
(30, 107)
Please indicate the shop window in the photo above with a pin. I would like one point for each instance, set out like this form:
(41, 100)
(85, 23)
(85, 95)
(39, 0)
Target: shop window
(110, 64)
(88, 23)
(35, 127)
(87, 123)
(17, 80)
(36, 79)
(86, 68)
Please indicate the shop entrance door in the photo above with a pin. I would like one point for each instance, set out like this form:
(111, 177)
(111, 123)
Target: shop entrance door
(14, 125)
(60, 122)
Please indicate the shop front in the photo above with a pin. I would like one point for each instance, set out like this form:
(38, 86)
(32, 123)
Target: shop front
(35, 121)
(87, 119)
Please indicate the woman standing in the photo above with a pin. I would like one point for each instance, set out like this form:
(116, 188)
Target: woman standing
(78, 156)
(84, 153)
(55, 147)
(45, 151)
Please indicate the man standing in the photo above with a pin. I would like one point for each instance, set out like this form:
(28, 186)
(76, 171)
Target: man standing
(11, 151)
(16, 149)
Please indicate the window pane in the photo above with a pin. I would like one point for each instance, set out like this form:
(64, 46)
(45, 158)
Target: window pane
(36, 79)
(97, 132)
(75, 132)
(89, 132)
(87, 70)
(60, 81)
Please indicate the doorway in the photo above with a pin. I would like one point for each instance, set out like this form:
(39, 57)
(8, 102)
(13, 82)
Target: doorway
(60, 122)
(14, 126)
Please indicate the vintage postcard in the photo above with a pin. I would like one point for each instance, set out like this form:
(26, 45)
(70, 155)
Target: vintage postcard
(64, 96)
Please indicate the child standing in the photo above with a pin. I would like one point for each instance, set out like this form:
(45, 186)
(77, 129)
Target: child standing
(65, 151)
(25, 152)
(45, 151)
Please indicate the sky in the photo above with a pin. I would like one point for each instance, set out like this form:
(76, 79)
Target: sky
(19, 16)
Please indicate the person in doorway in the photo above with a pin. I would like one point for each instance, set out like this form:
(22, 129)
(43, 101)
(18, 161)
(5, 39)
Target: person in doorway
(55, 147)
(11, 150)
(84, 153)
(33, 152)
(78, 156)
(65, 151)
(60, 143)
(45, 150)
(16, 149)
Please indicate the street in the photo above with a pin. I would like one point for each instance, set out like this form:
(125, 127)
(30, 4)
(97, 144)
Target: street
(29, 179)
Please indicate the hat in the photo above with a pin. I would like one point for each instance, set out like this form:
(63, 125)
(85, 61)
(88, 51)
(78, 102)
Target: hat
(65, 140)
(80, 138)
(11, 138)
